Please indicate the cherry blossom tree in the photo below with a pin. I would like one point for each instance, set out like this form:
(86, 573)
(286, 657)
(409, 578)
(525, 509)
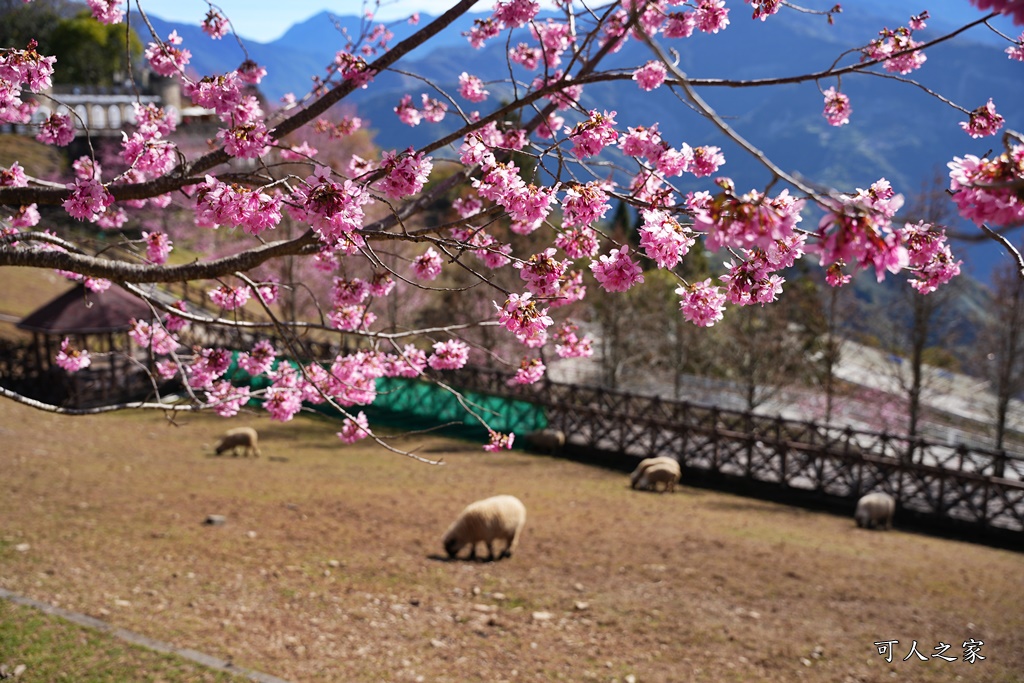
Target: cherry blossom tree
(509, 209)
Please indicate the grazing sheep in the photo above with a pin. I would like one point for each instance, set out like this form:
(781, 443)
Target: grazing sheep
(875, 510)
(239, 437)
(498, 517)
(547, 440)
(664, 461)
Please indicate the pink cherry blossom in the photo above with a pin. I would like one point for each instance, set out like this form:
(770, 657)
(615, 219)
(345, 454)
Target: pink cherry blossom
(1016, 51)
(106, 11)
(650, 76)
(900, 44)
(983, 188)
(332, 209)
(215, 25)
(449, 355)
(246, 141)
(405, 174)
(705, 160)
(764, 8)
(227, 399)
(472, 88)
(13, 176)
(499, 442)
(530, 371)
(680, 25)
(88, 199)
(569, 345)
(515, 13)
(165, 58)
(591, 136)
(230, 298)
(158, 246)
(584, 204)
(407, 112)
(354, 429)
(837, 108)
(617, 272)
(918, 21)
(748, 220)
(433, 110)
(711, 16)
(701, 303)
(984, 121)
(427, 266)
(58, 130)
(1013, 8)
(930, 257)
(259, 360)
(72, 359)
(663, 239)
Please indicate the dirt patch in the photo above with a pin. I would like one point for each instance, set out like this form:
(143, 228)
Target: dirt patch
(329, 565)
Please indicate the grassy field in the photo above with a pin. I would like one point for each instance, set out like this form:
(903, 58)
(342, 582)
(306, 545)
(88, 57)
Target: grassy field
(330, 567)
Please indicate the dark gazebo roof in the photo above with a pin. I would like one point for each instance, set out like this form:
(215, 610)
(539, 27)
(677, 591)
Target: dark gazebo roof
(80, 311)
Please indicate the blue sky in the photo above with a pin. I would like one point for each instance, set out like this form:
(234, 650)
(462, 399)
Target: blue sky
(267, 20)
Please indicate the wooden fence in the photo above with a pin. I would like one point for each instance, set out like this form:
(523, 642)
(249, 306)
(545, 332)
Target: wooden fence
(944, 487)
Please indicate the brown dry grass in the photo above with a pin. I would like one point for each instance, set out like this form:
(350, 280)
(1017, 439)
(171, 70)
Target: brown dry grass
(328, 567)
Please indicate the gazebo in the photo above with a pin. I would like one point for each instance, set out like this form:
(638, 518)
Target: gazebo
(98, 322)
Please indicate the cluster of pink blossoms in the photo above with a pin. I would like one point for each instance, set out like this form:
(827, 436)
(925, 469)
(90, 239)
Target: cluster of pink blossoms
(744, 221)
(896, 51)
(530, 371)
(570, 345)
(433, 110)
(499, 442)
(230, 298)
(58, 129)
(521, 316)
(984, 189)
(983, 121)
(663, 239)
(543, 273)
(20, 69)
(166, 59)
(617, 272)
(858, 229)
(449, 355)
(354, 429)
(215, 24)
(71, 359)
(106, 11)
(591, 136)
(332, 209)
(427, 265)
(158, 246)
(154, 337)
(752, 280)
(218, 203)
(404, 174)
(472, 88)
(701, 303)
(837, 108)
(650, 76)
(929, 255)
(88, 199)
(584, 204)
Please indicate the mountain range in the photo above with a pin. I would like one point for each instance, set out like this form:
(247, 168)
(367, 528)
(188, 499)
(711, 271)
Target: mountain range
(897, 131)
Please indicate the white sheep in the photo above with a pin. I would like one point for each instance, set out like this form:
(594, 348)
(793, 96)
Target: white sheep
(239, 437)
(498, 517)
(547, 440)
(666, 470)
(875, 510)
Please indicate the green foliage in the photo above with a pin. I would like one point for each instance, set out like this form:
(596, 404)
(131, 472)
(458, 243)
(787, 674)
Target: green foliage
(91, 53)
(20, 22)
